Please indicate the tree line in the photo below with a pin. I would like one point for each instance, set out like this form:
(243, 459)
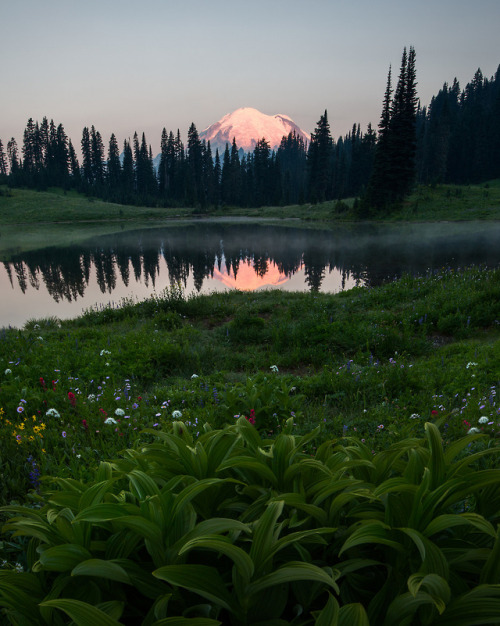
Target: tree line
(456, 139)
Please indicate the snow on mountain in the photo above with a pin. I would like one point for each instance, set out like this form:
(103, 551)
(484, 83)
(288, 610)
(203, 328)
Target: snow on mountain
(247, 126)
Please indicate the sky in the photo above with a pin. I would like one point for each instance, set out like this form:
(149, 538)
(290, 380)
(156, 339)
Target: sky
(144, 65)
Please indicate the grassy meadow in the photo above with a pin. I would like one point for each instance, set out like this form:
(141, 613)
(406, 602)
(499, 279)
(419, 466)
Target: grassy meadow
(253, 458)
(333, 452)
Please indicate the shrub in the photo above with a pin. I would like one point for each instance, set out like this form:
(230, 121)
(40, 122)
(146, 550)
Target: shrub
(236, 529)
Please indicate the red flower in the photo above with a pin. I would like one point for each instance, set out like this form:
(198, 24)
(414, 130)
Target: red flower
(434, 412)
(103, 411)
(42, 382)
(54, 383)
(72, 398)
(85, 425)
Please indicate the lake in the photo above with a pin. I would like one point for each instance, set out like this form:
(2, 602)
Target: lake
(214, 255)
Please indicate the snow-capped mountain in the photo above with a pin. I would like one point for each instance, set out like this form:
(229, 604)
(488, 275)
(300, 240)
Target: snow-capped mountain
(247, 126)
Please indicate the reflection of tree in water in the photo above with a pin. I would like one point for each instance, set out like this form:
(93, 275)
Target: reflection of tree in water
(367, 254)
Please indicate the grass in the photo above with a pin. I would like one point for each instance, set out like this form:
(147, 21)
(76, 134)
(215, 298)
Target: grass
(362, 362)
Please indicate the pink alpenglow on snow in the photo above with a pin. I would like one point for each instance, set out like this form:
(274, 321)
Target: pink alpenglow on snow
(248, 126)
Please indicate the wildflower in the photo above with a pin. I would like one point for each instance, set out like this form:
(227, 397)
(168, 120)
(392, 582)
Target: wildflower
(110, 420)
(20, 409)
(470, 364)
(381, 427)
(63, 433)
(8, 371)
(194, 376)
(52, 413)
(103, 352)
(434, 412)
(119, 412)
(84, 424)
(473, 431)
(274, 368)
(483, 420)
(176, 415)
(91, 398)
(414, 416)
(71, 398)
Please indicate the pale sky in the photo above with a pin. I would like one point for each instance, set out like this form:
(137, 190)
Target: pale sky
(142, 65)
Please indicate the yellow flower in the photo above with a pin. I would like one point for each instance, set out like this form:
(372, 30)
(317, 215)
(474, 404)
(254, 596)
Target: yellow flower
(42, 426)
(43, 450)
(33, 417)
(21, 426)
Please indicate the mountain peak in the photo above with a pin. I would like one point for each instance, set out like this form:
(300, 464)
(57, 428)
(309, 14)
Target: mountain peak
(247, 125)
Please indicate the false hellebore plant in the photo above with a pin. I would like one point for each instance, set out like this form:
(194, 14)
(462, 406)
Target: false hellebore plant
(235, 529)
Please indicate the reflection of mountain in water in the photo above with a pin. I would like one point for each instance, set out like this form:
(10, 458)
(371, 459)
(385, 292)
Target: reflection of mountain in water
(367, 254)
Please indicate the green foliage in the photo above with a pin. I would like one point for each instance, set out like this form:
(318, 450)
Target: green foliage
(235, 528)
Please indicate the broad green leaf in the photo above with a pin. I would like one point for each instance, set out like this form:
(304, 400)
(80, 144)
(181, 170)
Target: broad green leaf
(223, 545)
(329, 615)
(404, 607)
(191, 491)
(443, 522)
(200, 579)
(64, 557)
(437, 466)
(298, 501)
(353, 615)
(433, 560)
(476, 608)
(94, 494)
(81, 613)
(436, 586)
(293, 571)
(265, 534)
(106, 512)
(102, 569)
(142, 485)
(371, 533)
(250, 464)
(490, 572)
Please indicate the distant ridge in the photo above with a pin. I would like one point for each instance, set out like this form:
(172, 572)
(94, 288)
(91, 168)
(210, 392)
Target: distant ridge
(248, 126)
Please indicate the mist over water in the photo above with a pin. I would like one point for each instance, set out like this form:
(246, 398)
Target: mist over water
(205, 256)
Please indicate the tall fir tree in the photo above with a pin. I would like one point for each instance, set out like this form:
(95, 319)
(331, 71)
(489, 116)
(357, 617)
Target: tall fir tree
(319, 159)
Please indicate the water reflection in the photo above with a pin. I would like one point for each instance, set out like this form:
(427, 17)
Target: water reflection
(203, 256)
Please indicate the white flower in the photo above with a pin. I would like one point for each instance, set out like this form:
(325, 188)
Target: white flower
(470, 364)
(103, 352)
(8, 371)
(274, 368)
(53, 413)
(194, 376)
(91, 398)
(483, 420)
(110, 420)
(40, 338)
(120, 412)
(176, 415)
(473, 431)
(36, 327)
(414, 416)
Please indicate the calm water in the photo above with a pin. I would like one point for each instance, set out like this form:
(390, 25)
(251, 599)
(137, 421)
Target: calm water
(207, 256)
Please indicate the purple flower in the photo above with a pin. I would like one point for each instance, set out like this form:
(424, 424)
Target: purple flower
(63, 433)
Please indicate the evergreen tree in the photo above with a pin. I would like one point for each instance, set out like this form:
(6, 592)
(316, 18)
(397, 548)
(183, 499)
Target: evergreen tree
(114, 170)
(97, 157)
(3, 161)
(13, 156)
(87, 170)
(320, 161)
(394, 163)
(128, 173)
(73, 164)
(195, 168)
